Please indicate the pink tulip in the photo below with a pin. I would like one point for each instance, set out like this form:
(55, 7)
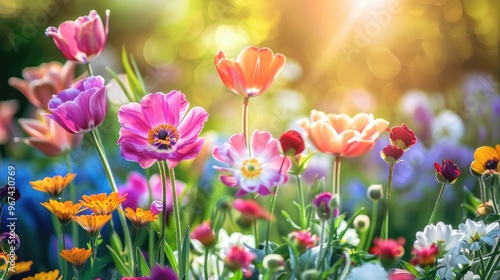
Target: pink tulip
(81, 40)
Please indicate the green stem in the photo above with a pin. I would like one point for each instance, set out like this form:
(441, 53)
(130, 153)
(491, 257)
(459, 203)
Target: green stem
(136, 236)
(256, 233)
(436, 206)
(161, 241)
(245, 119)
(205, 262)
(79, 274)
(102, 155)
(493, 261)
(94, 255)
(175, 202)
(481, 191)
(482, 263)
(373, 224)
(384, 234)
(63, 237)
(89, 68)
(494, 200)
(319, 264)
(151, 245)
(302, 203)
(336, 179)
(268, 230)
(72, 195)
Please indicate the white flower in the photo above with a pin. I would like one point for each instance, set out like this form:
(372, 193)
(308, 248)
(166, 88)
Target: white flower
(471, 276)
(368, 271)
(350, 236)
(440, 234)
(476, 233)
(448, 126)
(453, 259)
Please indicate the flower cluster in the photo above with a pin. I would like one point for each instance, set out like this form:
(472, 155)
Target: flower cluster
(250, 221)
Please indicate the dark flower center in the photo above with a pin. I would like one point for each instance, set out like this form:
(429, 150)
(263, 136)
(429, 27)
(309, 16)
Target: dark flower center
(163, 137)
(491, 164)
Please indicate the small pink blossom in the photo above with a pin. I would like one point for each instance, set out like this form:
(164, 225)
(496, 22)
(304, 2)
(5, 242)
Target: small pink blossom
(238, 257)
(303, 239)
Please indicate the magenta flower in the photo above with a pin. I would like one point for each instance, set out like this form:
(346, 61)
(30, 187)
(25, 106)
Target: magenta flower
(137, 189)
(82, 107)
(156, 129)
(81, 40)
(258, 171)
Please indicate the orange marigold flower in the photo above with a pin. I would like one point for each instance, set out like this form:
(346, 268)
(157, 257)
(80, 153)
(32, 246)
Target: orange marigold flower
(92, 224)
(21, 267)
(139, 217)
(63, 210)
(76, 256)
(53, 185)
(486, 158)
(51, 275)
(102, 204)
(252, 72)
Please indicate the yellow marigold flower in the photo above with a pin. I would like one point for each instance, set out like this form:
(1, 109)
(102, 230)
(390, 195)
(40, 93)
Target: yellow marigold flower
(92, 224)
(55, 185)
(486, 158)
(102, 204)
(63, 210)
(139, 217)
(76, 256)
(21, 267)
(51, 275)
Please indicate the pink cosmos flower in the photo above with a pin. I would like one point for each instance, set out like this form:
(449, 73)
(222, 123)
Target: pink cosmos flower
(158, 128)
(42, 82)
(81, 40)
(258, 171)
(204, 233)
(341, 135)
(47, 136)
(252, 72)
(82, 107)
(138, 193)
(303, 239)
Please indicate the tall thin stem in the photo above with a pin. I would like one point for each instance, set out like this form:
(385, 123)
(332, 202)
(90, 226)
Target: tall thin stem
(384, 234)
(72, 196)
(176, 212)
(436, 206)
(245, 119)
(63, 237)
(319, 264)
(303, 219)
(205, 262)
(268, 230)
(373, 224)
(481, 191)
(102, 155)
(494, 200)
(336, 175)
(161, 241)
(89, 68)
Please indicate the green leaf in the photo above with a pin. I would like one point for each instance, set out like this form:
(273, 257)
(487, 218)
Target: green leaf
(119, 264)
(139, 75)
(121, 84)
(116, 242)
(411, 269)
(133, 81)
(237, 275)
(289, 219)
(184, 255)
(171, 257)
(142, 263)
(305, 162)
(471, 199)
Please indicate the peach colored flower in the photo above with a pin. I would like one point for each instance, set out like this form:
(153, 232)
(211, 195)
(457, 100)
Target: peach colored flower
(7, 110)
(341, 135)
(252, 72)
(47, 136)
(41, 82)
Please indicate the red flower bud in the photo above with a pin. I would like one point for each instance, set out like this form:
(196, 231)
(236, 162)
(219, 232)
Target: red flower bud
(402, 137)
(292, 141)
(391, 154)
(447, 173)
(204, 234)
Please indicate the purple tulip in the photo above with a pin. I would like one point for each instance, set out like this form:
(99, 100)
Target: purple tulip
(82, 107)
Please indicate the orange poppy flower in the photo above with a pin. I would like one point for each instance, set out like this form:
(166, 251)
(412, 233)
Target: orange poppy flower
(54, 186)
(51, 275)
(92, 224)
(252, 72)
(341, 135)
(76, 256)
(102, 204)
(139, 217)
(486, 158)
(63, 210)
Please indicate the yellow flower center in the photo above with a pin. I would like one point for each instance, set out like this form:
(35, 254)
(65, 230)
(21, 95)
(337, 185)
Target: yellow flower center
(163, 136)
(251, 168)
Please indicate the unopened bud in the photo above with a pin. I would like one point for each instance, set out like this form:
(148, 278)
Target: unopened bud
(273, 262)
(485, 208)
(491, 179)
(310, 274)
(361, 222)
(375, 192)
